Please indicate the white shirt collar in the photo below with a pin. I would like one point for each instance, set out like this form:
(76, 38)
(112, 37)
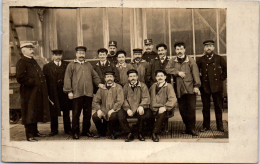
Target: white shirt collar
(122, 65)
(57, 63)
(77, 61)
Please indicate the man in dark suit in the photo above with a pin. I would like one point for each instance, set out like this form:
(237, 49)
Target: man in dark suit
(54, 73)
(112, 49)
(33, 91)
(149, 54)
(213, 70)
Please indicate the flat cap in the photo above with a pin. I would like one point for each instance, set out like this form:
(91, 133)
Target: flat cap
(208, 42)
(161, 45)
(148, 41)
(57, 51)
(137, 50)
(102, 50)
(81, 48)
(120, 52)
(112, 43)
(132, 71)
(109, 73)
(179, 44)
(160, 71)
(26, 45)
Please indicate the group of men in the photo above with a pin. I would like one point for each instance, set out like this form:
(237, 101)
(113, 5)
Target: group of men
(117, 90)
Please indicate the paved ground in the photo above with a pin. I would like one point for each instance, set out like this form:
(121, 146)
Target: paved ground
(174, 131)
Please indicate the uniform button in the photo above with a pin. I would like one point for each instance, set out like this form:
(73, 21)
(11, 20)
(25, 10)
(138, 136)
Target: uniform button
(213, 63)
(216, 79)
(206, 70)
(215, 74)
(207, 64)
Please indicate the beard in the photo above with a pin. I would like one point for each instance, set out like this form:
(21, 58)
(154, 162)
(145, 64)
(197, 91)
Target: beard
(138, 59)
(208, 52)
(112, 53)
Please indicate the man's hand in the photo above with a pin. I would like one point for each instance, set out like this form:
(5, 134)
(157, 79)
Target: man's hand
(197, 91)
(161, 110)
(110, 112)
(70, 95)
(100, 114)
(140, 110)
(101, 86)
(181, 74)
(130, 112)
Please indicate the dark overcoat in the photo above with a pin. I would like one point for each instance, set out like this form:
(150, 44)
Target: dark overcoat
(33, 91)
(55, 85)
(213, 72)
(148, 56)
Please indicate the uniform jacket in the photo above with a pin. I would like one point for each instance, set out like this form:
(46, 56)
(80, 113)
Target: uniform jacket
(79, 79)
(137, 97)
(213, 73)
(33, 91)
(143, 69)
(107, 99)
(123, 72)
(108, 67)
(55, 85)
(190, 81)
(156, 64)
(112, 59)
(164, 98)
(148, 56)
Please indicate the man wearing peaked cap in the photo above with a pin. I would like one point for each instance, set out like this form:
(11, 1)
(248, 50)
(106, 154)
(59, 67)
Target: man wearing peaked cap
(149, 54)
(33, 91)
(78, 84)
(142, 67)
(58, 100)
(213, 69)
(106, 104)
(112, 49)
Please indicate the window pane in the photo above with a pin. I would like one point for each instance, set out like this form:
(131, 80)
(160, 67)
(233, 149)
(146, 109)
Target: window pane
(67, 31)
(205, 27)
(92, 25)
(222, 31)
(157, 25)
(119, 28)
(181, 28)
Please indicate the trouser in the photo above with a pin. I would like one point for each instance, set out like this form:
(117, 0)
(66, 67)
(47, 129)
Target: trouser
(31, 130)
(85, 103)
(103, 125)
(142, 119)
(217, 99)
(66, 120)
(187, 106)
(158, 121)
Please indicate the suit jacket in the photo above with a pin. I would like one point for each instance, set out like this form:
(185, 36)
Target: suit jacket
(148, 56)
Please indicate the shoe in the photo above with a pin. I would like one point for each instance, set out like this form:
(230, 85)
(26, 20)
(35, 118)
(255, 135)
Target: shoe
(221, 129)
(155, 137)
(113, 137)
(52, 134)
(75, 136)
(129, 137)
(40, 135)
(193, 133)
(88, 134)
(32, 139)
(204, 129)
(141, 138)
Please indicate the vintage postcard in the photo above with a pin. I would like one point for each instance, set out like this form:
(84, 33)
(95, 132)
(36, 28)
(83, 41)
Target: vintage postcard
(130, 81)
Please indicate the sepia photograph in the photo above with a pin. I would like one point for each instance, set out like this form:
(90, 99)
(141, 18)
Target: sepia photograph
(126, 77)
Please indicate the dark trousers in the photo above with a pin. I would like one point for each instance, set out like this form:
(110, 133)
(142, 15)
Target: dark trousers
(187, 107)
(217, 99)
(54, 120)
(31, 130)
(103, 125)
(66, 120)
(158, 121)
(85, 103)
(142, 119)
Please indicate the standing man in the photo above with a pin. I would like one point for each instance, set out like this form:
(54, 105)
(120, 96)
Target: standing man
(142, 67)
(112, 48)
(54, 73)
(149, 54)
(163, 100)
(107, 102)
(33, 91)
(105, 65)
(78, 84)
(213, 69)
(122, 67)
(185, 69)
(136, 103)
(160, 62)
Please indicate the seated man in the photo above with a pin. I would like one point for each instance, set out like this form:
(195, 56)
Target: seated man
(162, 99)
(107, 102)
(136, 103)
